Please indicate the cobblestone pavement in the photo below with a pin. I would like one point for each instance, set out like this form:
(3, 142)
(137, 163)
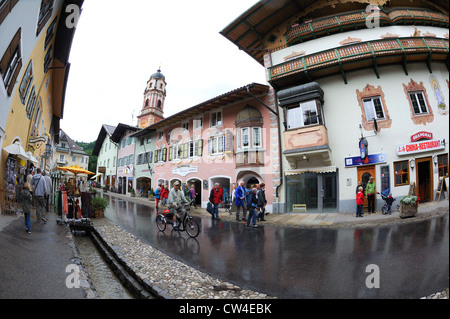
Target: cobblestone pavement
(173, 278)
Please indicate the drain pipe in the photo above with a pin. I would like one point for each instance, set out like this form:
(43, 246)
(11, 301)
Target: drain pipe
(279, 134)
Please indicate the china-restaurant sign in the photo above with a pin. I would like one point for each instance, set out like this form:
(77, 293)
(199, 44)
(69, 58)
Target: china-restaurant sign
(420, 146)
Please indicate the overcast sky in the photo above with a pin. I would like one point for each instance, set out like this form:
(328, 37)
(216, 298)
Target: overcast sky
(118, 45)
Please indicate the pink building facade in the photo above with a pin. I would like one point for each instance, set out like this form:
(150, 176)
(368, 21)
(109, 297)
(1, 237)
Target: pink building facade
(224, 140)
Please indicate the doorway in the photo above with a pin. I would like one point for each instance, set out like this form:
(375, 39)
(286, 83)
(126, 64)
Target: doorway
(424, 178)
(198, 189)
(364, 173)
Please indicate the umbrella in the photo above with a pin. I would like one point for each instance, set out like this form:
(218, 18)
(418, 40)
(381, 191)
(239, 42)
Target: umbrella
(17, 149)
(75, 169)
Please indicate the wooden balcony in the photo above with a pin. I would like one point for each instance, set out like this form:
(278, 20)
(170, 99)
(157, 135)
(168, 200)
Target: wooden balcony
(357, 20)
(358, 56)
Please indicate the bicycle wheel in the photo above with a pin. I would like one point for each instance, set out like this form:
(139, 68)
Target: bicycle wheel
(160, 223)
(192, 227)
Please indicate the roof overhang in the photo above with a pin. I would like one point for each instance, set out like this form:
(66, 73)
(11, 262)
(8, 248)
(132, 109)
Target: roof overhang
(251, 31)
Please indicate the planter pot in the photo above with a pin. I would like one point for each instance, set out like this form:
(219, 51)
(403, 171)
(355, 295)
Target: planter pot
(99, 213)
(408, 210)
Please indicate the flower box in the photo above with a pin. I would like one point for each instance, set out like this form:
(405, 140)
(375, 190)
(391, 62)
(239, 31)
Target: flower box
(408, 210)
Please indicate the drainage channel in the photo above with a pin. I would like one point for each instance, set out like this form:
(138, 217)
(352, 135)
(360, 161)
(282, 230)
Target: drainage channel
(106, 283)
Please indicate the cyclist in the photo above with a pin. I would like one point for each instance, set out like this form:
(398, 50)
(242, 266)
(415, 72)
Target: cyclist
(176, 203)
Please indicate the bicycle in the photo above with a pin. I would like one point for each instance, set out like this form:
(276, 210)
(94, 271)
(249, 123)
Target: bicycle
(188, 224)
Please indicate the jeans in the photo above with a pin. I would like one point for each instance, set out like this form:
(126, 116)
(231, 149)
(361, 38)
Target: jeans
(40, 207)
(371, 203)
(388, 209)
(27, 221)
(238, 212)
(359, 210)
(216, 210)
(252, 216)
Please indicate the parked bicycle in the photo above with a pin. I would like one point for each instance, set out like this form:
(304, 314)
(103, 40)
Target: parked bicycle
(188, 223)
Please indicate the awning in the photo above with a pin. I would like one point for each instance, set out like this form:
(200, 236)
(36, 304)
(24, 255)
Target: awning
(324, 169)
(97, 175)
(17, 149)
(31, 158)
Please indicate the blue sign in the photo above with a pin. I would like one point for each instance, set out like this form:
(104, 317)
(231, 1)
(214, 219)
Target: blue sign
(369, 160)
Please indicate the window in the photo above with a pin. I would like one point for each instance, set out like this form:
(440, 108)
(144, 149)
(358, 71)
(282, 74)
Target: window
(373, 108)
(49, 34)
(160, 155)
(31, 103)
(44, 14)
(61, 158)
(6, 7)
(198, 123)
(216, 119)
(11, 63)
(185, 126)
(74, 158)
(401, 172)
(25, 84)
(418, 103)
(160, 135)
(443, 165)
(195, 148)
(306, 113)
(107, 165)
(114, 161)
(48, 59)
(217, 145)
(256, 137)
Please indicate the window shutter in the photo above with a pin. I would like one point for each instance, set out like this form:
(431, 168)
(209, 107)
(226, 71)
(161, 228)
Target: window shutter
(164, 156)
(185, 150)
(170, 153)
(156, 156)
(229, 141)
(150, 156)
(200, 148)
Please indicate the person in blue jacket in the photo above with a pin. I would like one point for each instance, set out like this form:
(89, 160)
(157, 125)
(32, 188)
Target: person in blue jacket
(252, 204)
(239, 200)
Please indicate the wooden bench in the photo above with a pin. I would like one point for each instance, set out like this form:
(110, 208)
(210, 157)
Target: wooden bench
(299, 208)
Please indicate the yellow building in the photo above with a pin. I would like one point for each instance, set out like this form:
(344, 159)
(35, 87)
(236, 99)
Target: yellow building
(36, 37)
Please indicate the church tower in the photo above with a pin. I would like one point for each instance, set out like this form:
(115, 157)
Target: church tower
(154, 96)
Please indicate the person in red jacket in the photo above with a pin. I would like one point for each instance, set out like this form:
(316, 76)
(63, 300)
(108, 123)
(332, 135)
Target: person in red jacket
(359, 202)
(215, 197)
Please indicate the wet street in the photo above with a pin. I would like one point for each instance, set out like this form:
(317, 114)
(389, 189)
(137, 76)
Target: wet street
(412, 258)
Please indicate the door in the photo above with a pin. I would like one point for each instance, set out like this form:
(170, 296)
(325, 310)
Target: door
(424, 179)
(364, 173)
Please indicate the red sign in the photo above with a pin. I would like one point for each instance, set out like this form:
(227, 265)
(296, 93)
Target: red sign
(419, 147)
(421, 135)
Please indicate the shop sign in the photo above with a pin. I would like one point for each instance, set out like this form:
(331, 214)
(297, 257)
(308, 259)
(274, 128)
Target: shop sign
(184, 170)
(369, 160)
(419, 147)
(421, 135)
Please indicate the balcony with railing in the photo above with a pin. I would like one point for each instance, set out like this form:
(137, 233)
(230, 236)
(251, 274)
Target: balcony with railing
(299, 33)
(358, 56)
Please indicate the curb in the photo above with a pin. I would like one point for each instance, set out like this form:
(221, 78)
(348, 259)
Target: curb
(138, 287)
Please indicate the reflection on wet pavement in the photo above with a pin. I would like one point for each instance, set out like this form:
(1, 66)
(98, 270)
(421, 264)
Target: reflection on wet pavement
(413, 258)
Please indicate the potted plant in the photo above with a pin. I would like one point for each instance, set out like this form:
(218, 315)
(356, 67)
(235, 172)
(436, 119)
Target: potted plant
(93, 191)
(98, 206)
(409, 206)
(151, 195)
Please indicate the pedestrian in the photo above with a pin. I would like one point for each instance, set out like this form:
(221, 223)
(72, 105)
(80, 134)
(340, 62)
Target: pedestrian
(193, 195)
(25, 197)
(360, 183)
(48, 191)
(39, 186)
(261, 194)
(252, 202)
(389, 202)
(370, 193)
(359, 202)
(164, 194)
(240, 196)
(215, 198)
(157, 194)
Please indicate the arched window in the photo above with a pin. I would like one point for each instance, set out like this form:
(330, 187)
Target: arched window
(159, 104)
